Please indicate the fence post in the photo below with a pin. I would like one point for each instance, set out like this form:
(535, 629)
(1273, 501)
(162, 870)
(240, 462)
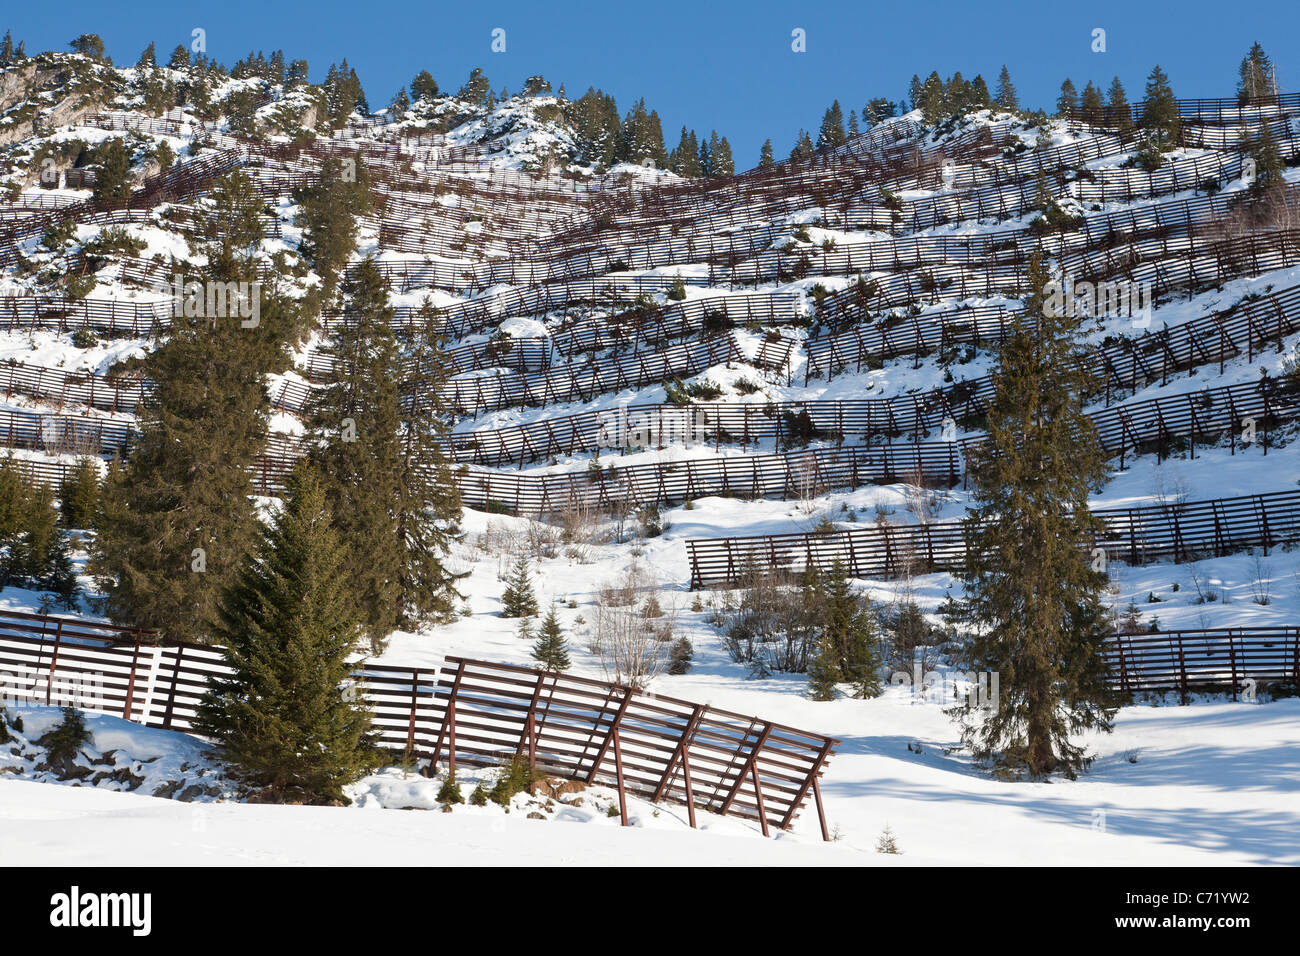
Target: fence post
(410, 722)
(54, 660)
(618, 772)
(130, 684)
(171, 694)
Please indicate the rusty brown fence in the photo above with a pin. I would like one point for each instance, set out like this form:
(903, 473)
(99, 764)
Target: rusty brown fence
(465, 712)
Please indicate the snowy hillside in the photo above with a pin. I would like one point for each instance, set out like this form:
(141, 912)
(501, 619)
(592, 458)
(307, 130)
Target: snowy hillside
(676, 399)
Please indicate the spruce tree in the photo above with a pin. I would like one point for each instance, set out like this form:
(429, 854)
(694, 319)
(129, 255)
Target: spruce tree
(765, 155)
(284, 718)
(850, 630)
(113, 176)
(79, 495)
(424, 87)
(721, 160)
(1257, 76)
(934, 101)
(1091, 107)
(1118, 112)
(551, 652)
(517, 599)
(1006, 96)
(1160, 120)
(979, 92)
(1067, 104)
(803, 147)
(354, 431)
(328, 216)
(1269, 164)
(879, 108)
(823, 670)
(831, 133)
(1032, 604)
(428, 507)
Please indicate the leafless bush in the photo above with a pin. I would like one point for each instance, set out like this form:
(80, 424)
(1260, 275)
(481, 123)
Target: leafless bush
(1261, 585)
(631, 630)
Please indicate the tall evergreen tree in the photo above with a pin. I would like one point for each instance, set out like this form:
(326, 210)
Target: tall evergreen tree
(879, 108)
(831, 133)
(803, 147)
(1118, 112)
(934, 101)
(979, 92)
(1032, 598)
(1269, 164)
(79, 495)
(328, 215)
(765, 155)
(550, 650)
(284, 718)
(1257, 75)
(354, 427)
(1160, 121)
(424, 86)
(1006, 96)
(176, 521)
(1067, 104)
(428, 507)
(1091, 106)
(723, 162)
(113, 175)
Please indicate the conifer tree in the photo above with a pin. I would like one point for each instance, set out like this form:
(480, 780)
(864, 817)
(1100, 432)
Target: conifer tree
(879, 108)
(517, 599)
(7, 49)
(354, 426)
(979, 92)
(1118, 112)
(113, 177)
(1257, 75)
(284, 718)
(854, 129)
(428, 508)
(423, 87)
(934, 101)
(831, 133)
(720, 159)
(328, 217)
(148, 58)
(765, 155)
(1032, 604)
(851, 632)
(176, 521)
(1067, 104)
(551, 651)
(803, 147)
(1269, 164)
(1160, 121)
(180, 58)
(1006, 96)
(1091, 107)
(683, 161)
(79, 495)
(914, 89)
(823, 670)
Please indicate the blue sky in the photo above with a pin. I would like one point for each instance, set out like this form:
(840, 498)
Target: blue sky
(707, 65)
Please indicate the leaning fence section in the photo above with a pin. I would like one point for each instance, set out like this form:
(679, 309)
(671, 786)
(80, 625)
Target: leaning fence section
(466, 712)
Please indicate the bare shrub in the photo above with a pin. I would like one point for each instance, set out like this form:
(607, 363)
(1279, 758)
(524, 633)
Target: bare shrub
(631, 630)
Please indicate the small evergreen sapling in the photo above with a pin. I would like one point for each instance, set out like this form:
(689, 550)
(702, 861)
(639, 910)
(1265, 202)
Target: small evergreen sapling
(551, 650)
(518, 600)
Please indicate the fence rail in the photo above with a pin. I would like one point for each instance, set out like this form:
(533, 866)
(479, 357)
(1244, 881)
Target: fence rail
(464, 712)
(1136, 535)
